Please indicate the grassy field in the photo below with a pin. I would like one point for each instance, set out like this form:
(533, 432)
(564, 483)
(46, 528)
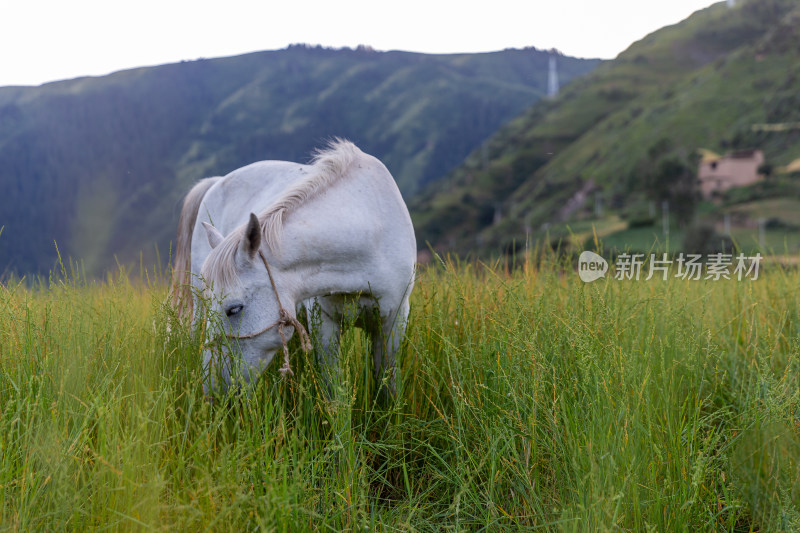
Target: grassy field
(527, 400)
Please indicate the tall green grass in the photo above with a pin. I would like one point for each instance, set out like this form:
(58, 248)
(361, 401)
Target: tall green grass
(526, 400)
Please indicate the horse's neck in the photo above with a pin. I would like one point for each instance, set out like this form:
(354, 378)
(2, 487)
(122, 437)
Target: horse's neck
(325, 246)
(250, 190)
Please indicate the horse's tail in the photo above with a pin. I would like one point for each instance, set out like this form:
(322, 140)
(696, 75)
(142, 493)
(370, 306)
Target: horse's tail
(182, 269)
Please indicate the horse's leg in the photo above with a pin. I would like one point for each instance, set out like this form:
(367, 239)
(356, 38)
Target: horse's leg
(324, 318)
(387, 334)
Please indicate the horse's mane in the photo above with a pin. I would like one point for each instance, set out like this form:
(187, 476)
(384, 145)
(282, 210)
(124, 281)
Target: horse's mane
(328, 166)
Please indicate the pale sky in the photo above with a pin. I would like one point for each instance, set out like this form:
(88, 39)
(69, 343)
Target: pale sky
(47, 40)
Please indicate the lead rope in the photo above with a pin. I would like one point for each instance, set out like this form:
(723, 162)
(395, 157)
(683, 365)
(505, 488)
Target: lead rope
(284, 319)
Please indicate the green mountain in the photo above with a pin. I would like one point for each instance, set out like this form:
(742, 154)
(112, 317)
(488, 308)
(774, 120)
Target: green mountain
(627, 134)
(99, 165)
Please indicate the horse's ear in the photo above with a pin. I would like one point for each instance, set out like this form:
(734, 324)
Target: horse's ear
(213, 234)
(252, 237)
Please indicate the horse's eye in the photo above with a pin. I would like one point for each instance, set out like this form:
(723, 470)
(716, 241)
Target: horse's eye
(234, 310)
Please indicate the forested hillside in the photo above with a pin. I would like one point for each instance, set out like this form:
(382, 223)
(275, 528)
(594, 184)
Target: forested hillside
(99, 165)
(628, 134)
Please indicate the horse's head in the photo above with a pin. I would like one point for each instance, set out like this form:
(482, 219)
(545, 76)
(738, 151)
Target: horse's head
(244, 307)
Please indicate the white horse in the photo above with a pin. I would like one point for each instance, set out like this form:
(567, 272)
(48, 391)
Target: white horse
(273, 235)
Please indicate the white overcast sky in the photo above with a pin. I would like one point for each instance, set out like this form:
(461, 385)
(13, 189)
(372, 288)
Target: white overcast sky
(47, 40)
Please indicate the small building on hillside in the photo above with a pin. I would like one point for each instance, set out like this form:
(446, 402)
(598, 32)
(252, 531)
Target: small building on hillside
(737, 169)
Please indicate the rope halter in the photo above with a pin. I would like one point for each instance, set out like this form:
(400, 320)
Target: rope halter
(285, 319)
